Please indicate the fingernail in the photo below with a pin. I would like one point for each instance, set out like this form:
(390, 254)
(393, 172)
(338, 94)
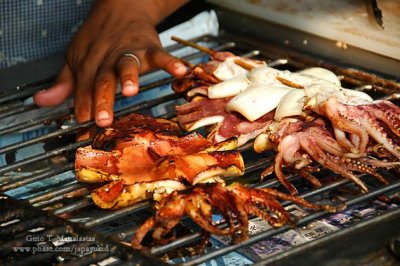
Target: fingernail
(180, 68)
(103, 115)
(129, 87)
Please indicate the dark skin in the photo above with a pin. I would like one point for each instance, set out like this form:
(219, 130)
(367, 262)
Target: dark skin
(94, 63)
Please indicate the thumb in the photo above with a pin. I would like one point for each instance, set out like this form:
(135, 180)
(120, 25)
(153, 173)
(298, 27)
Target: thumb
(59, 91)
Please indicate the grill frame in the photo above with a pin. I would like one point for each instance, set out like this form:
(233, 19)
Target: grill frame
(381, 82)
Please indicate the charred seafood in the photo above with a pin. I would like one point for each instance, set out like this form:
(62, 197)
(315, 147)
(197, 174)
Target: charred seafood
(141, 157)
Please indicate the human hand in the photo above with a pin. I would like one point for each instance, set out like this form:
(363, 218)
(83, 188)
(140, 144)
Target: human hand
(95, 60)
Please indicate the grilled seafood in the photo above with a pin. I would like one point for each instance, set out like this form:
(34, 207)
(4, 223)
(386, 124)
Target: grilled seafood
(222, 66)
(168, 174)
(234, 202)
(299, 144)
(147, 160)
(204, 112)
(306, 116)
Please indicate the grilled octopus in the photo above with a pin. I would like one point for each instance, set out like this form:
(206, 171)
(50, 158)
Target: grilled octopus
(234, 202)
(307, 117)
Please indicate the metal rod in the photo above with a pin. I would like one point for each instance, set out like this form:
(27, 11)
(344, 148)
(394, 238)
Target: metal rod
(42, 156)
(17, 109)
(86, 201)
(117, 214)
(24, 91)
(83, 191)
(32, 123)
(45, 174)
(56, 192)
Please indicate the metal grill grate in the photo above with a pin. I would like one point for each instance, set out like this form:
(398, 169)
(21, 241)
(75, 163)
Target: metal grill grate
(39, 169)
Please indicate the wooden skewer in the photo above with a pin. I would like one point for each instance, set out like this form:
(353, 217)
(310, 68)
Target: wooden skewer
(289, 83)
(193, 45)
(237, 61)
(209, 51)
(187, 63)
(243, 64)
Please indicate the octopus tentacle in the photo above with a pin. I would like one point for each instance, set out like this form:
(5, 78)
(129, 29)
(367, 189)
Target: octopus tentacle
(259, 200)
(344, 141)
(281, 176)
(378, 163)
(298, 200)
(142, 231)
(363, 121)
(325, 140)
(309, 177)
(339, 115)
(160, 232)
(226, 202)
(359, 166)
(242, 218)
(310, 146)
(275, 221)
(387, 112)
(193, 203)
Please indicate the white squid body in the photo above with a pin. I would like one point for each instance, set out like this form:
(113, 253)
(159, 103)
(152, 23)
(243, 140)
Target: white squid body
(230, 87)
(228, 69)
(265, 92)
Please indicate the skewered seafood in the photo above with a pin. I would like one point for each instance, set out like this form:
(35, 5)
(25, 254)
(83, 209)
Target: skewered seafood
(204, 112)
(310, 118)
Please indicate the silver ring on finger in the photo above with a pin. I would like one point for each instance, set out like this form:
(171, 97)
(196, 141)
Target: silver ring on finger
(131, 55)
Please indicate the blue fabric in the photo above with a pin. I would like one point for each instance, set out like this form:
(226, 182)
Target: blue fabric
(32, 29)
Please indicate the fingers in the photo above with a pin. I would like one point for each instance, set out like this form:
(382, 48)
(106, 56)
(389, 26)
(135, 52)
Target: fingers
(128, 72)
(59, 91)
(84, 91)
(169, 63)
(105, 87)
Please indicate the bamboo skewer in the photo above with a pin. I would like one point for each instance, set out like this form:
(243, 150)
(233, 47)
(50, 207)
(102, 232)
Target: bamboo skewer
(237, 61)
(193, 45)
(209, 51)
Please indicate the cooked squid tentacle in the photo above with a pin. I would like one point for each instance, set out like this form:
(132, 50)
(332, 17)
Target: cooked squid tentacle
(235, 200)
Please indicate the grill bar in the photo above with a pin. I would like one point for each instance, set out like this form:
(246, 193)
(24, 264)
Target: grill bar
(43, 156)
(86, 201)
(34, 178)
(24, 91)
(56, 192)
(17, 108)
(116, 214)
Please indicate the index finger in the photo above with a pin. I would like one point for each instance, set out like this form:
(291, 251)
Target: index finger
(162, 59)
